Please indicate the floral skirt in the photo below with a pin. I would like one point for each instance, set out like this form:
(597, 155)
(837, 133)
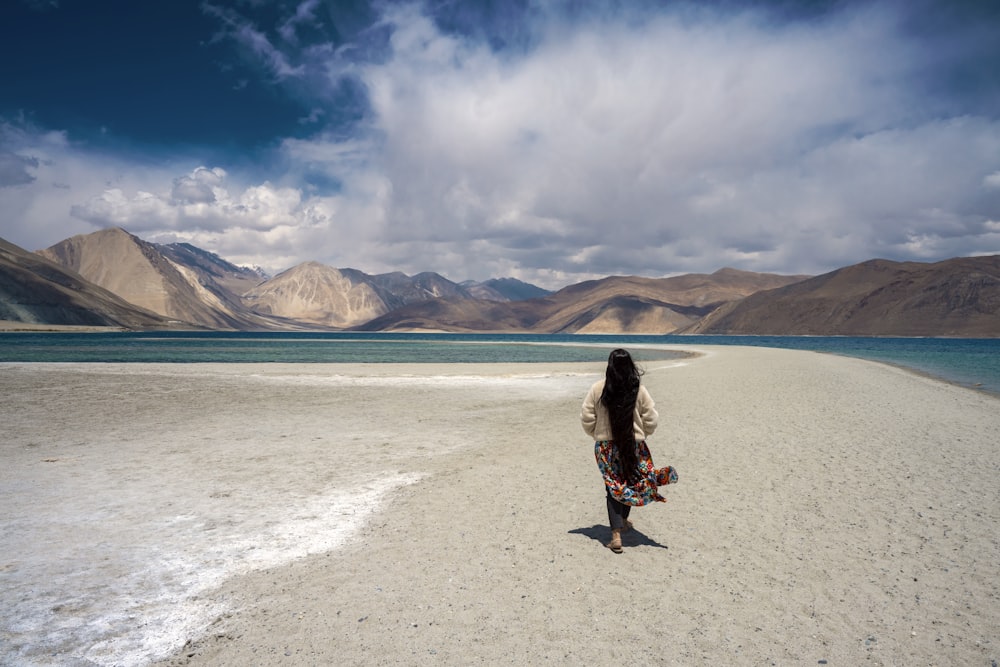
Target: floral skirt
(642, 492)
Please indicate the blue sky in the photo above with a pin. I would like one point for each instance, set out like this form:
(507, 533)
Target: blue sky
(549, 140)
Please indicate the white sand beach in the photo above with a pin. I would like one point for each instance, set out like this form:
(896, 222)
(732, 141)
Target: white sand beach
(829, 511)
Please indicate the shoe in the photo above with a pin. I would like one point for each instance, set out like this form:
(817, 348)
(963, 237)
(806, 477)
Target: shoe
(627, 527)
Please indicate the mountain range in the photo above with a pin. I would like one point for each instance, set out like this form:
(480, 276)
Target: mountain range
(956, 297)
(113, 278)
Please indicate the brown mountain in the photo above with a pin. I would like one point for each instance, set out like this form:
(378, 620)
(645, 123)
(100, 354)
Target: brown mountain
(186, 283)
(955, 297)
(458, 315)
(643, 302)
(477, 290)
(611, 305)
(35, 290)
(512, 289)
(319, 294)
(140, 273)
(399, 289)
(236, 279)
(621, 314)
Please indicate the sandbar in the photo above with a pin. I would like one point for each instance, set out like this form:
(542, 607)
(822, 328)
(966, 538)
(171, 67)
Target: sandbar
(829, 509)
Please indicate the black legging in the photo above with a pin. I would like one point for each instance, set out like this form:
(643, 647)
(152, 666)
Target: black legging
(617, 513)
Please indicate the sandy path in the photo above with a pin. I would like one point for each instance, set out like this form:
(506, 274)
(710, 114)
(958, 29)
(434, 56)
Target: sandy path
(829, 509)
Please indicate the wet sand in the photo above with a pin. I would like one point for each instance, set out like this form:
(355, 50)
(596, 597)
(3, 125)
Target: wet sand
(829, 509)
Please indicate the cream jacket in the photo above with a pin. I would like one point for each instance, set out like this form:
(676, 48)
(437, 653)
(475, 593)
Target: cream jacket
(594, 416)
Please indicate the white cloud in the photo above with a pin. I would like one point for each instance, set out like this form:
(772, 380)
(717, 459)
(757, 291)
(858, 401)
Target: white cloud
(669, 144)
(199, 200)
(672, 146)
(202, 186)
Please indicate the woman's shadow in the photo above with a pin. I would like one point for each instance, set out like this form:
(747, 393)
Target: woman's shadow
(630, 538)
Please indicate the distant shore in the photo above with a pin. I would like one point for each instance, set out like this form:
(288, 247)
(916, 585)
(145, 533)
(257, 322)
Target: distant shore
(828, 508)
(32, 327)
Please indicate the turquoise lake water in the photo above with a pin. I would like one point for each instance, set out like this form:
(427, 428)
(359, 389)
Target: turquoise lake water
(971, 362)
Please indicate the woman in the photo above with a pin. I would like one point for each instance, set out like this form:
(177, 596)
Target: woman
(618, 414)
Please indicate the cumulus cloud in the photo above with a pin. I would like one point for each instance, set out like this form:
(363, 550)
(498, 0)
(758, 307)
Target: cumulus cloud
(78, 190)
(670, 145)
(198, 201)
(202, 186)
(641, 141)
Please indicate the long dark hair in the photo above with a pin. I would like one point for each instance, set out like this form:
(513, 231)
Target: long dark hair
(621, 387)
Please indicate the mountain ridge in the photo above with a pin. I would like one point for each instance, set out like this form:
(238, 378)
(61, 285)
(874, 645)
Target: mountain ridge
(164, 283)
(615, 304)
(38, 291)
(878, 297)
(185, 284)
